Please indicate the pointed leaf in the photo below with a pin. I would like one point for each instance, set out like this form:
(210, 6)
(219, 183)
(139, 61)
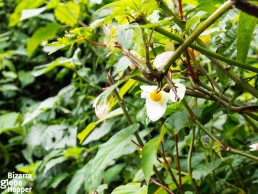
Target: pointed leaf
(246, 28)
(42, 34)
(149, 157)
(28, 13)
(118, 145)
(84, 133)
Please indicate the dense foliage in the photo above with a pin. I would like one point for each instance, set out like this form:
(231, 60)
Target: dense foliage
(76, 112)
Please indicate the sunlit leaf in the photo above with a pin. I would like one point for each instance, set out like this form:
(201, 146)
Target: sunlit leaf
(28, 13)
(68, 13)
(131, 188)
(82, 135)
(42, 34)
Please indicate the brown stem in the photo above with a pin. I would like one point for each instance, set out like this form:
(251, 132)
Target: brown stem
(178, 160)
(163, 186)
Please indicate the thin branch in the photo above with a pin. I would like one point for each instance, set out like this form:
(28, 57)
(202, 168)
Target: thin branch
(178, 160)
(163, 186)
(189, 160)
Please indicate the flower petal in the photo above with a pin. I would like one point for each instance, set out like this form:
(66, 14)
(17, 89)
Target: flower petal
(148, 88)
(155, 110)
(254, 147)
(161, 60)
(180, 89)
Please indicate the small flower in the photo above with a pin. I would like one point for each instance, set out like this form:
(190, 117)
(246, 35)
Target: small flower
(254, 147)
(101, 108)
(156, 101)
(161, 60)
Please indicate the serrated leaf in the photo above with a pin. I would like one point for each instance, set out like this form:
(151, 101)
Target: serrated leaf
(245, 31)
(118, 145)
(216, 147)
(42, 34)
(130, 188)
(28, 13)
(149, 157)
(226, 42)
(67, 13)
(85, 132)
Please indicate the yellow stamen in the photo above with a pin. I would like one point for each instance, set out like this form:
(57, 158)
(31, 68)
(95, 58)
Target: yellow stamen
(156, 96)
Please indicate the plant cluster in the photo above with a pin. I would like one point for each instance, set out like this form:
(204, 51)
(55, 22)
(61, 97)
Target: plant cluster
(130, 96)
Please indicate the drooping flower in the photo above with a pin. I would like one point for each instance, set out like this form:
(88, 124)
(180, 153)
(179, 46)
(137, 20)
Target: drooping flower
(101, 108)
(156, 101)
(161, 60)
(254, 147)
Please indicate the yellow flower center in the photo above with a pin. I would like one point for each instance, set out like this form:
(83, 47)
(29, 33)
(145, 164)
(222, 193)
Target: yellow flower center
(156, 96)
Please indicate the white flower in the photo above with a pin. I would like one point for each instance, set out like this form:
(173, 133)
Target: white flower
(254, 147)
(101, 108)
(156, 101)
(180, 90)
(161, 60)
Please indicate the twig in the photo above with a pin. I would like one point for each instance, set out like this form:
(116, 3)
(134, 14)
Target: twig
(159, 184)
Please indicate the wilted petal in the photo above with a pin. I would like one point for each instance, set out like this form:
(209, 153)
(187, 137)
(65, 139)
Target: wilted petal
(161, 60)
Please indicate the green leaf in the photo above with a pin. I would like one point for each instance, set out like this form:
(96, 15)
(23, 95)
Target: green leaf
(28, 13)
(25, 78)
(99, 132)
(68, 13)
(131, 188)
(245, 31)
(203, 170)
(118, 145)
(113, 173)
(208, 112)
(24, 4)
(177, 121)
(43, 106)
(42, 34)
(9, 121)
(42, 69)
(77, 181)
(149, 157)
(226, 42)
(53, 162)
(195, 20)
(85, 132)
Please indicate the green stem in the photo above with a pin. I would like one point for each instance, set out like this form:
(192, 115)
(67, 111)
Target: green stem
(223, 146)
(189, 164)
(206, 51)
(203, 26)
(136, 134)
